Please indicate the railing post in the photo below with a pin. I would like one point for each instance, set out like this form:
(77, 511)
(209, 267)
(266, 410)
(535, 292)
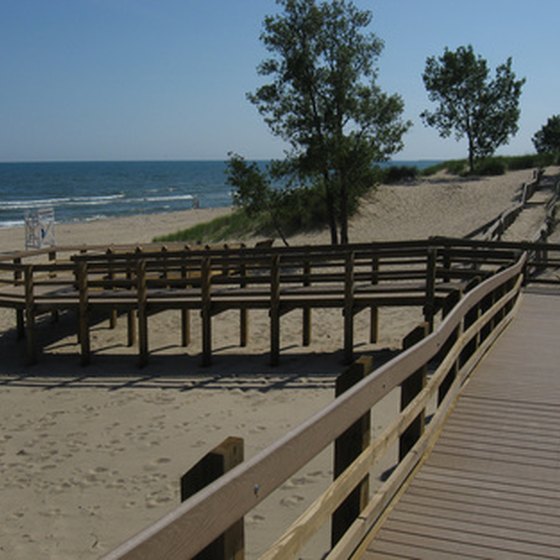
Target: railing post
(31, 351)
(409, 389)
(275, 310)
(185, 313)
(347, 448)
(429, 306)
(111, 277)
(83, 312)
(349, 308)
(306, 327)
(244, 312)
(20, 321)
(231, 544)
(206, 311)
(142, 296)
(374, 311)
(52, 274)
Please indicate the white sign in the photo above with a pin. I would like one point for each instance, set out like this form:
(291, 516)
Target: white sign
(39, 228)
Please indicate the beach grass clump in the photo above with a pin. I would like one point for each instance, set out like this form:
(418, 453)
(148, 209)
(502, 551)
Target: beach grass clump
(232, 226)
(397, 174)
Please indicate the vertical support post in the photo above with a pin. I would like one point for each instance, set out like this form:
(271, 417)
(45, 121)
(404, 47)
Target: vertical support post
(185, 313)
(52, 274)
(243, 313)
(111, 277)
(131, 314)
(306, 327)
(83, 313)
(30, 349)
(20, 322)
(349, 308)
(142, 297)
(348, 447)
(206, 311)
(409, 389)
(374, 311)
(429, 307)
(231, 544)
(446, 264)
(275, 310)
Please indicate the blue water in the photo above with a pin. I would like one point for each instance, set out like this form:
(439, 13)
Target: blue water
(90, 190)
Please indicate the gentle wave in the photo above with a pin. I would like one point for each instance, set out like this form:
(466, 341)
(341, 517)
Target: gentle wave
(66, 201)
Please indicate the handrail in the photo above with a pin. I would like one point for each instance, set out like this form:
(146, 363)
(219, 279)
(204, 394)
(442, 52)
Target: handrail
(198, 521)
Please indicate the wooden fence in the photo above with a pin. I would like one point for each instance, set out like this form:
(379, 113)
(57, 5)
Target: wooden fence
(471, 324)
(145, 281)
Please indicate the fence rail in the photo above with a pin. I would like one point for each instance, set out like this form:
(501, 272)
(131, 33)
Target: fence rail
(456, 344)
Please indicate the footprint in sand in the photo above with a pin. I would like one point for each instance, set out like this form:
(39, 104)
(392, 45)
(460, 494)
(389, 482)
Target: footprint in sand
(292, 501)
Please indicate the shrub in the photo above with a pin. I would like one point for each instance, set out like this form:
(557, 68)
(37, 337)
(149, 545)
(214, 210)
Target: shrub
(491, 166)
(398, 174)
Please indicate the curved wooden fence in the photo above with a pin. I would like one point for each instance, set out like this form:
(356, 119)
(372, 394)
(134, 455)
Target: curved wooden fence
(212, 280)
(449, 352)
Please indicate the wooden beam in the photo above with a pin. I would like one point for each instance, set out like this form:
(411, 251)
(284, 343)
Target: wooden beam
(243, 313)
(206, 312)
(275, 311)
(83, 313)
(348, 447)
(374, 311)
(231, 544)
(409, 389)
(429, 307)
(349, 308)
(142, 313)
(30, 349)
(306, 327)
(20, 313)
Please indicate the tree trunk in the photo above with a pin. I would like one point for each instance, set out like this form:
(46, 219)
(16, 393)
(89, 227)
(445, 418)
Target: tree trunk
(331, 211)
(343, 211)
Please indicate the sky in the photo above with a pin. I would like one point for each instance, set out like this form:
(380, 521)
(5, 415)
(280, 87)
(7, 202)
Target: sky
(85, 80)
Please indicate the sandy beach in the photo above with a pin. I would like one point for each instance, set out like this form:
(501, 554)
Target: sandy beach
(89, 456)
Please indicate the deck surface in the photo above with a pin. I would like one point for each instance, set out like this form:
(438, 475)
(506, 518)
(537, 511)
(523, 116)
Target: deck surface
(491, 486)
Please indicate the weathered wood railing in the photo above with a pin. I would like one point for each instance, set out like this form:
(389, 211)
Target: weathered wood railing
(451, 351)
(143, 282)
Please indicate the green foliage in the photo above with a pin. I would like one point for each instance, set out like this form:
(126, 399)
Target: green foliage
(470, 104)
(322, 99)
(233, 226)
(491, 166)
(398, 174)
(547, 139)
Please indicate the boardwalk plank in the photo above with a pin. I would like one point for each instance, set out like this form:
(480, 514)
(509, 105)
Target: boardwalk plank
(491, 486)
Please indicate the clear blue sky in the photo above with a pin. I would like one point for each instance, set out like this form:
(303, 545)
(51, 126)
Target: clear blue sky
(166, 79)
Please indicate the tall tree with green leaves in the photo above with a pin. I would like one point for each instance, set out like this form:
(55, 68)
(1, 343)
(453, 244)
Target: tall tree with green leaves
(547, 139)
(322, 99)
(470, 104)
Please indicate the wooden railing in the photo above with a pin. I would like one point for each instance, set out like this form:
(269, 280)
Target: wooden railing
(142, 282)
(450, 352)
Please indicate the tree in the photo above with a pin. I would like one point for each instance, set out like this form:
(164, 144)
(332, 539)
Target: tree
(470, 103)
(547, 139)
(322, 99)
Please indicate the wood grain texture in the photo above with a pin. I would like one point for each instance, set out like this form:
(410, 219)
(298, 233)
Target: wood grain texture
(491, 487)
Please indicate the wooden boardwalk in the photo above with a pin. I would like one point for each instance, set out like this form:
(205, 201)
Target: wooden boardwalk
(491, 486)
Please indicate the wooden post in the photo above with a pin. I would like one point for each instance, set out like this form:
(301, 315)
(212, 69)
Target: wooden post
(347, 448)
(374, 311)
(349, 308)
(142, 297)
(446, 265)
(131, 315)
(206, 311)
(83, 313)
(306, 327)
(243, 313)
(429, 307)
(231, 544)
(409, 389)
(52, 274)
(111, 277)
(31, 351)
(275, 310)
(20, 322)
(185, 314)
